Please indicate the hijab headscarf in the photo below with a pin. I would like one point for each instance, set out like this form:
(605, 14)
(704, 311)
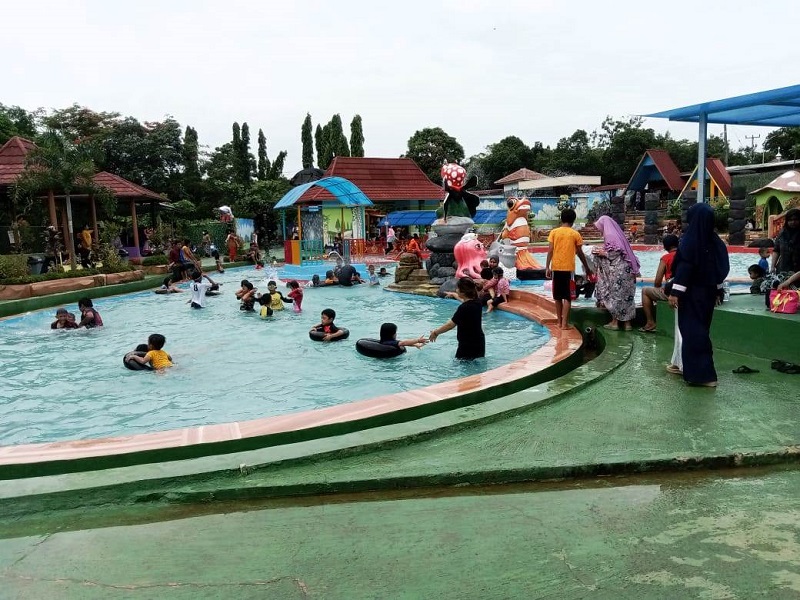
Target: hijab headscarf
(614, 239)
(788, 241)
(701, 246)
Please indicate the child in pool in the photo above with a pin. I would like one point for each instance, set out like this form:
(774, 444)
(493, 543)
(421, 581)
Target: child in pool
(63, 320)
(315, 281)
(247, 295)
(273, 298)
(383, 272)
(156, 357)
(330, 279)
(296, 295)
(501, 288)
(327, 326)
(389, 338)
(89, 316)
(372, 277)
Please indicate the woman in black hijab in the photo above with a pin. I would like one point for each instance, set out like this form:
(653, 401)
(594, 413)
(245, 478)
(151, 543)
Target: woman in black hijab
(786, 253)
(700, 266)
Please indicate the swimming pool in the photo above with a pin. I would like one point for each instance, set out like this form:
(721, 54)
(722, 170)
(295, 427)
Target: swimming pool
(60, 385)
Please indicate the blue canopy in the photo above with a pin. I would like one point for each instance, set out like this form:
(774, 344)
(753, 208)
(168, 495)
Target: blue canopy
(771, 108)
(405, 218)
(346, 192)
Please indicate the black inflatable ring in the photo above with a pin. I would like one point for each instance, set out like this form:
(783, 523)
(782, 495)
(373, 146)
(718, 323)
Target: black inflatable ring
(374, 349)
(530, 274)
(318, 335)
(132, 364)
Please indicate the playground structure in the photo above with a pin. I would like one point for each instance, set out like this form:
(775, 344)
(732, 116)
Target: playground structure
(306, 243)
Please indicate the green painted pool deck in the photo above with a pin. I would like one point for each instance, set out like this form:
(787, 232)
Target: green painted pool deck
(615, 480)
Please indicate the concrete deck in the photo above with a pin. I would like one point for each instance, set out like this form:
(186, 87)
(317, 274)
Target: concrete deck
(372, 518)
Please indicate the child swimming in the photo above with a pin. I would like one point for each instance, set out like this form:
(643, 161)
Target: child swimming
(63, 320)
(156, 357)
(389, 338)
(89, 316)
(327, 326)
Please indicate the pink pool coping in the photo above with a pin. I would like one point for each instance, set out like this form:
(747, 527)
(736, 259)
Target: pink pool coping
(561, 345)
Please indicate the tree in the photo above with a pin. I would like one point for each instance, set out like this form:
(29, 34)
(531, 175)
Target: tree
(246, 161)
(276, 172)
(430, 148)
(319, 142)
(326, 146)
(356, 137)
(191, 154)
(308, 142)
(16, 121)
(263, 161)
(785, 140)
(505, 157)
(575, 155)
(79, 123)
(57, 164)
(259, 200)
(337, 142)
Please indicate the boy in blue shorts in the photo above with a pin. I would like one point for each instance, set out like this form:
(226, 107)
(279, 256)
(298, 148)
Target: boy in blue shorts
(565, 244)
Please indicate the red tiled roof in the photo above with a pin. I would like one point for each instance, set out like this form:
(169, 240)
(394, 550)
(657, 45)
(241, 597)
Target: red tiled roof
(719, 174)
(12, 159)
(610, 187)
(381, 179)
(520, 175)
(122, 188)
(12, 164)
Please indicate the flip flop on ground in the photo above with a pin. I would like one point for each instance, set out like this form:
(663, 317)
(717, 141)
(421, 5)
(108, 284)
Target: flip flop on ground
(744, 370)
(674, 369)
(647, 329)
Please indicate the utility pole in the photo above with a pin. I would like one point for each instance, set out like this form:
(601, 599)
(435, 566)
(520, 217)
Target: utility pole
(753, 139)
(725, 139)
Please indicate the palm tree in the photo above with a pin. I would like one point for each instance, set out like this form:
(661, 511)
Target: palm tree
(57, 164)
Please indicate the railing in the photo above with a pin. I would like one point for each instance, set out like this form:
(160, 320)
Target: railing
(311, 252)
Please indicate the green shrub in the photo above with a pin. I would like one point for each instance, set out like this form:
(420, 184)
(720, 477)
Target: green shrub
(598, 210)
(152, 261)
(112, 263)
(48, 277)
(13, 265)
(721, 218)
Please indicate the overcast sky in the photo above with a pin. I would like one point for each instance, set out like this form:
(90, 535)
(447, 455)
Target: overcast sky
(481, 70)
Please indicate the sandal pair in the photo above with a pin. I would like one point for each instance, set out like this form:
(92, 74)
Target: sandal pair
(782, 366)
(745, 370)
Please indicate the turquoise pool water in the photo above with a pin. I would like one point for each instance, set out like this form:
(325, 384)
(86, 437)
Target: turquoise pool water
(59, 385)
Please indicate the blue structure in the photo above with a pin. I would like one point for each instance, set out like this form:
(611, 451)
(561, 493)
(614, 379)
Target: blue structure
(771, 108)
(309, 248)
(346, 192)
(404, 218)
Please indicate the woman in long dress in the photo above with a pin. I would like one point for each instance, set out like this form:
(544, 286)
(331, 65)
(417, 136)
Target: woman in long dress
(617, 269)
(700, 267)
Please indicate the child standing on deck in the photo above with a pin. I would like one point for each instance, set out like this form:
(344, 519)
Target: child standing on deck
(565, 244)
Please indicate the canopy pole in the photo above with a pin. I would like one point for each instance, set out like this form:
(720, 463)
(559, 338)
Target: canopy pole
(299, 224)
(51, 207)
(701, 157)
(135, 224)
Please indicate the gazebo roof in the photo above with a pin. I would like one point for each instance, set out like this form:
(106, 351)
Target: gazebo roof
(122, 188)
(381, 179)
(12, 159)
(520, 175)
(12, 165)
(656, 165)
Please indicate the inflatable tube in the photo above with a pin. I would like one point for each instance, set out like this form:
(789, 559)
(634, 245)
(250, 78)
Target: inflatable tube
(530, 274)
(132, 364)
(374, 349)
(318, 335)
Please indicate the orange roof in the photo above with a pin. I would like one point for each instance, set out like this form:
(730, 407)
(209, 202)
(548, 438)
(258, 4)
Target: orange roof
(12, 159)
(122, 188)
(520, 175)
(381, 179)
